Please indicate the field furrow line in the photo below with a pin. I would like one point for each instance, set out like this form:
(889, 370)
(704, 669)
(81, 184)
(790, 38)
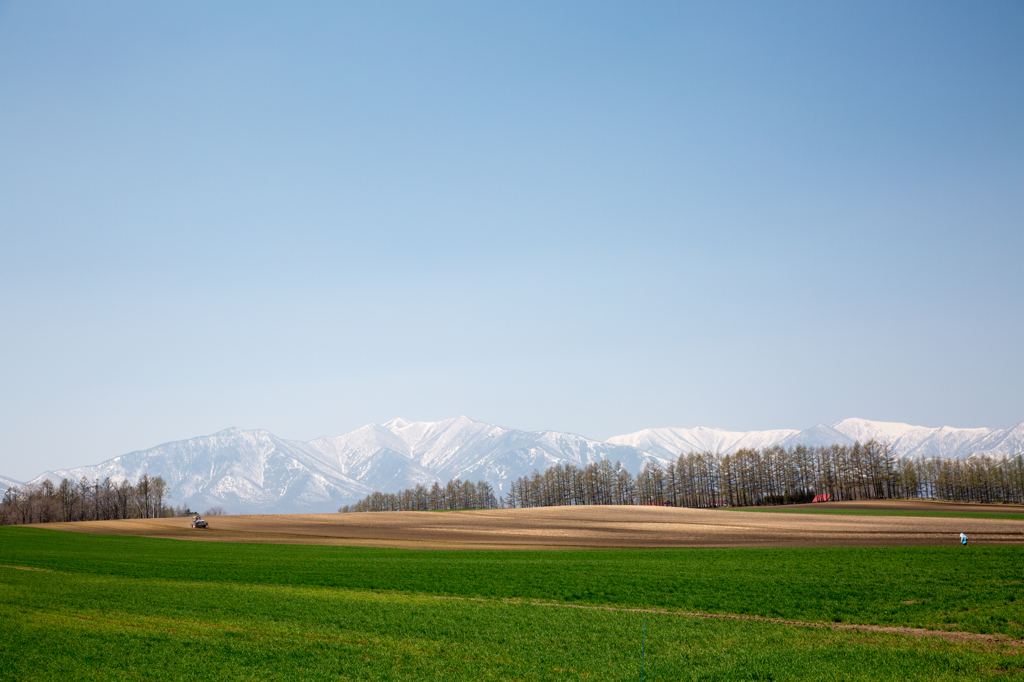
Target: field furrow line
(949, 635)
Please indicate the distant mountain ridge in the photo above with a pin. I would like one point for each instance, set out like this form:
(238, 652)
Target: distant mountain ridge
(906, 440)
(257, 472)
(6, 483)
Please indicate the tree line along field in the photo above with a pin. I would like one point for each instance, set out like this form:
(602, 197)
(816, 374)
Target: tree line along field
(771, 476)
(87, 500)
(105, 607)
(748, 477)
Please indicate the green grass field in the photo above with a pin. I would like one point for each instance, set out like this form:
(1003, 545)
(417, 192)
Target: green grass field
(109, 607)
(812, 509)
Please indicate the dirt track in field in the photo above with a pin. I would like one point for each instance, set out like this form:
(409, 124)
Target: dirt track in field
(586, 527)
(948, 635)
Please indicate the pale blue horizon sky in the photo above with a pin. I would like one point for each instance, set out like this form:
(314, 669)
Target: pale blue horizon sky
(586, 217)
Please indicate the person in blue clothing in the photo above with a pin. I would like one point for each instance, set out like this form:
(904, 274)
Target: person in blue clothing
(963, 539)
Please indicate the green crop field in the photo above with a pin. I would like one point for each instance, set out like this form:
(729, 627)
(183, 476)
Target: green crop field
(109, 607)
(951, 514)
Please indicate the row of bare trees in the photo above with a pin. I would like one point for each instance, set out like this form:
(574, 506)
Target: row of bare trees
(775, 475)
(456, 494)
(748, 477)
(87, 500)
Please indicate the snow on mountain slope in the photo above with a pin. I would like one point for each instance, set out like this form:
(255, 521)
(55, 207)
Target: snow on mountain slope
(863, 430)
(255, 471)
(815, 437)
(431, 448)
(6, 483)
(669, 443)
(906, 440)
(508, 454)
(1010, 441)
(424, 452)
(244, 471)
(922, 441)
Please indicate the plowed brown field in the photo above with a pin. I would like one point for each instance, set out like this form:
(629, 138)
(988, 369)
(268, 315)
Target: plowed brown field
(582, 527)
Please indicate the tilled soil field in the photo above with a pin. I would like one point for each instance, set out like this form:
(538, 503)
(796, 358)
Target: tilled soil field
(583, 527)
(909, 505)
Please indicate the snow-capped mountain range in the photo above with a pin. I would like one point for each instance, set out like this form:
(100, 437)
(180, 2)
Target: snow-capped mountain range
(257, 472)
(905, 440)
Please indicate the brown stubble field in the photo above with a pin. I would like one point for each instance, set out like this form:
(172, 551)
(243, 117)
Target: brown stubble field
(588, 527)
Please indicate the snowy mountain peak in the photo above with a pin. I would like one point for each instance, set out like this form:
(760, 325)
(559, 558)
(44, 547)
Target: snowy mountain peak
(671, 442)
(864, 430)
(255, 471)
(817, 436)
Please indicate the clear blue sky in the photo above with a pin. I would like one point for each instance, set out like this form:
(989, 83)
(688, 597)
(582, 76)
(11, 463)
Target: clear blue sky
(584, 217)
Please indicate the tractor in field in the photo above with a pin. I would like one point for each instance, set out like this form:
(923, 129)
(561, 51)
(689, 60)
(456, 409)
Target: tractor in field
(197, 522)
